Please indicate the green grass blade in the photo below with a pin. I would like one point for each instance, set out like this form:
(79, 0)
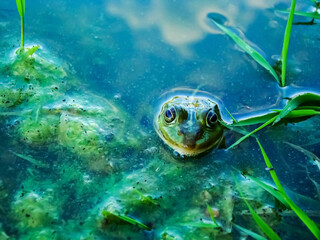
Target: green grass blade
(255, 120)
(146, 199)
(254, 131)
(286, 40)
(303, 99)
(233, 119)
(309, 154)
(21, 10)
(134, 222)
(200, 225)
(212, 215)
(262, 224)
(30, 159)
(304, 14)
(127, 219)
(310, 107)
(274, 192)
(249, 233)
(248, 49)
(302, 113)
(302, 215)
(21, 7)
(32, 50)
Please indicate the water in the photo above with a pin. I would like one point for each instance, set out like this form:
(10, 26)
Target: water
(136, 55)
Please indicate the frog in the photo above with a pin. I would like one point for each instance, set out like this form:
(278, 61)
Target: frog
(190, 125)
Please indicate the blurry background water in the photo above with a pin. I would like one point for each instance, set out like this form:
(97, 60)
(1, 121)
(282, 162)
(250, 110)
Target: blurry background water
(137, 51)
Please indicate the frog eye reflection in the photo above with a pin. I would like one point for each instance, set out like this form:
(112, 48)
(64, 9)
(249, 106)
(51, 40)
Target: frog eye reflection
(212, 118)
(170, 115)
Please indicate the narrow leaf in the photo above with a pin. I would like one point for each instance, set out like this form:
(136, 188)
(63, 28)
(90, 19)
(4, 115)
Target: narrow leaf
(304, 14)
(274, 192)
(309, 154)
(254, 131)
(30, 159)
(233, 119)
(212, 215)
(200, 225)
(286, 40)
(302, 99)
(32, 50)
(262, 224)
(127, 219)
(21, 7)
(302, 215)
(249, 233)
(248, 49)
(255, 119)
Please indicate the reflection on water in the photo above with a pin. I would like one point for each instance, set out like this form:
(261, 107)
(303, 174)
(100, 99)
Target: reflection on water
(68, 153)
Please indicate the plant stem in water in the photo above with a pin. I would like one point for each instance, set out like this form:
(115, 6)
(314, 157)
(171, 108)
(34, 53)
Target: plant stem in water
(22, 32)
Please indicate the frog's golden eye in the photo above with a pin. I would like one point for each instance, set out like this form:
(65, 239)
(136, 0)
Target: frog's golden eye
(170, 115)
(211, 119)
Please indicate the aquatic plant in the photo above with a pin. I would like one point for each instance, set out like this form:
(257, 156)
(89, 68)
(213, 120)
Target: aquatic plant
(262, 224)
(146, 199)
(248, 232)
(113, 217)
(312, 226)
(285, 47)
(298, 108)
(313, 15)
(212, 215)
(248, 49)
(256, 56)
(21, 10)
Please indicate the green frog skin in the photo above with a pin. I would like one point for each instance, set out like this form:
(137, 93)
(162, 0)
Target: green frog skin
(190, 125)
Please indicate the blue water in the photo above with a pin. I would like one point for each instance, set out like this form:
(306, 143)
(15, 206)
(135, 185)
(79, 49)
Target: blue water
(142, 52)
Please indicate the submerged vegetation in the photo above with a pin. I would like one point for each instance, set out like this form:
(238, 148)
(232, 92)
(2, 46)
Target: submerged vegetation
(260, 59)
(88, 171)
(303, 216)
(298, 108)
(280, 194)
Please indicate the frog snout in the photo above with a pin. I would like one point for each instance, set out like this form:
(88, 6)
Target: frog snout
(190, 136)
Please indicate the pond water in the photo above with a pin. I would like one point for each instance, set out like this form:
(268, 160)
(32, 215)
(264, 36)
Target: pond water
(80, 149)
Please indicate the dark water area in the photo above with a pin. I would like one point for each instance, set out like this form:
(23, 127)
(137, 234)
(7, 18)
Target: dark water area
(120, 61)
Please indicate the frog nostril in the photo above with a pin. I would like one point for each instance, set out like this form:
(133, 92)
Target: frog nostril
(181, 131)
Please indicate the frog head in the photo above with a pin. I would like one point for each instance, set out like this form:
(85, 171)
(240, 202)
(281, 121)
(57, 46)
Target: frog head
(190, 125)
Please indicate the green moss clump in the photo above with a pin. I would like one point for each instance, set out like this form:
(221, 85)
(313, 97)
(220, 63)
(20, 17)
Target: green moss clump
(38, 133)
(10, 97)
(34, 211)
(32, 69)
(80, 137)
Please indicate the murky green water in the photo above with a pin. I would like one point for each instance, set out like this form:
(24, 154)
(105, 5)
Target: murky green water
(79, 137)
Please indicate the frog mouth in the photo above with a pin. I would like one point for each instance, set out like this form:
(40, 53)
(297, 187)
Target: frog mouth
(190, 141)
(190, 145)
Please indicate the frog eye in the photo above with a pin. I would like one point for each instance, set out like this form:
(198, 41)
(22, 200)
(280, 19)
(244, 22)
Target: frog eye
(212, 118)
(170, 115)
